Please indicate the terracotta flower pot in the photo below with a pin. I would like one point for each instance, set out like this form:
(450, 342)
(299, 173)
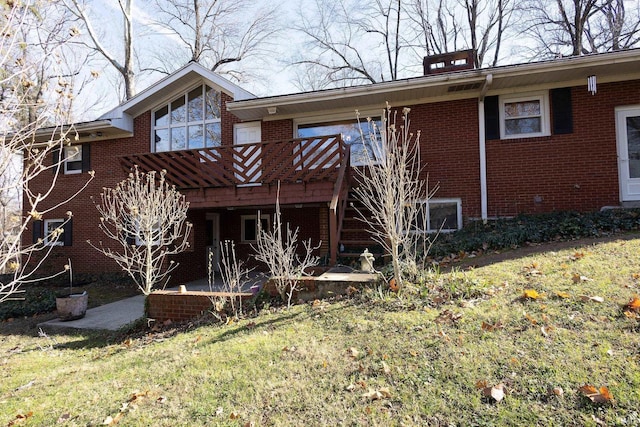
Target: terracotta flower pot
(72, 307)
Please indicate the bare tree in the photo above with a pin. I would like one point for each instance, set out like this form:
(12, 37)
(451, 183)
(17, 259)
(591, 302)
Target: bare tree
(391, 189)
(125, 65)
(147, 218)
(577, 27)
(278, 249)
(22, 160)
(346, 40)
(215, 33)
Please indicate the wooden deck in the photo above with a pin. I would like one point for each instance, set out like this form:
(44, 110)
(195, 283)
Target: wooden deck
(309, 170)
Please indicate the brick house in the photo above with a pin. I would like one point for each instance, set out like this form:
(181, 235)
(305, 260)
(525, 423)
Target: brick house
(556, 135)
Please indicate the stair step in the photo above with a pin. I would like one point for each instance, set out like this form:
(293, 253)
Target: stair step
(358, 242)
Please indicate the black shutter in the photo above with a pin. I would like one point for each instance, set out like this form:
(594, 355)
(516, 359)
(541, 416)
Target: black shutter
(86, 157)
(55, 159)
(491, 118)
(37, 230)
(562, 111)
(67, 234)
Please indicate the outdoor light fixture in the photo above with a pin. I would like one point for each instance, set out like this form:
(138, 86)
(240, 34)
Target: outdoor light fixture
(272, 110)
(591, 84)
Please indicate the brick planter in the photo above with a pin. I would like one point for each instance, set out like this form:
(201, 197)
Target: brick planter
(180, 306)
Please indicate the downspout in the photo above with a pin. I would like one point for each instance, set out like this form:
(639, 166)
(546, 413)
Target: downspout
(482, 147)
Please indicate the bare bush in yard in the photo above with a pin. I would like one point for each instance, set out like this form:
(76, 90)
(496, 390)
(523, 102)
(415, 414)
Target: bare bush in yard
(393, 194)
(278, 249)
(31, 131)
(235, 276)
(147, 218)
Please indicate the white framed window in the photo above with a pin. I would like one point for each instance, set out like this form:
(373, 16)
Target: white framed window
(435, 215)
(72, 159)
(140, 234)
(249, 227)
(348, 127)
(53, 231)
(189, 121)
(525, 115)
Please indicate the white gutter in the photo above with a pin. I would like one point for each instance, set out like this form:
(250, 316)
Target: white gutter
(483, 149)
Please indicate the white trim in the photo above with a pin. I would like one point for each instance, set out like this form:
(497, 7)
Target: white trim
(629, 187)
(482, 146)
(47, 233)
(542, 97)
(444, 200)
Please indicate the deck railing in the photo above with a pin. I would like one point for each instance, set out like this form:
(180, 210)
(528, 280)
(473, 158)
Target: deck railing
(294, 160)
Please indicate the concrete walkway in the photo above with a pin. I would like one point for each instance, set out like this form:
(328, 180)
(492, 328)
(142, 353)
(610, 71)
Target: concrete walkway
(112, 316)
(118, 314)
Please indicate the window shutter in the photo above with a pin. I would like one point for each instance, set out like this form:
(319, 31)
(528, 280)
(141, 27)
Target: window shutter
(491, 118)
(37, 230)
(86, 157)
(562, 111)
(67, 235)
(55, 159)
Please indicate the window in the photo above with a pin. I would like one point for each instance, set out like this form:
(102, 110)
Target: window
(350, 131)
(72, 156)
(190, 121)
(438, 215)
(140, 233)
(249, 226)
(524, 116)
(54, 232)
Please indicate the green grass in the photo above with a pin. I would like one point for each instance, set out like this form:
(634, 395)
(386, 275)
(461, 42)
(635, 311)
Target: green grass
(316, 364)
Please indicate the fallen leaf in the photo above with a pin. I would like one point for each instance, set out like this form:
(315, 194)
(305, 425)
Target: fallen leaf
(353, 352)
(234, 416)
(20, 418)
(530, 319)
(372, 394)
(350, 387)
(591, 298)
(385, 368)
(161, 400)
(634, 304)
(393, 285)
(561, 294)
(480, 384)
(546, 330)
(496, 392)
(531, 294)
(576, 256)
(595, 395)
(558, 391)
(491, 327)
(577, 278)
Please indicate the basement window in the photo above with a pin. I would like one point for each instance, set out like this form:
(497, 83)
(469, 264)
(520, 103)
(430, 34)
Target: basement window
(444, 215)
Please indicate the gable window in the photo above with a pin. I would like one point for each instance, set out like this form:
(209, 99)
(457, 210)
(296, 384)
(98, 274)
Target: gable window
(438, 215)
(189, 121)
(524, 115)
(350, 131)
(249, 227)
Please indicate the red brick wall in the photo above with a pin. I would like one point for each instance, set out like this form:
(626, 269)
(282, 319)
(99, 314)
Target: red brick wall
(449, 148)
(227, 120)
(178, 307)
(277, 130)
(578, 171)
(108, 172)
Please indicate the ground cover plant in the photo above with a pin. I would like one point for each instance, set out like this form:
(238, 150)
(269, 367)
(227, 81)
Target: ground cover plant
(549, 336)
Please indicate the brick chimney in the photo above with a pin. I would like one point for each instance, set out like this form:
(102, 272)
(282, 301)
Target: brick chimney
(445, 62)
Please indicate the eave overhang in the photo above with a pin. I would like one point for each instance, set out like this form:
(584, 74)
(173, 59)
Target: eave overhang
(571, 71)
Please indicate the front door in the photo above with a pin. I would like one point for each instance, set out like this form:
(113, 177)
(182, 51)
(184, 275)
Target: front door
(213, 242)
(628, 137)
(247, 160)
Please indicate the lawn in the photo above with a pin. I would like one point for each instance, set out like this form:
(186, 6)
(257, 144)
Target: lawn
(539, 323)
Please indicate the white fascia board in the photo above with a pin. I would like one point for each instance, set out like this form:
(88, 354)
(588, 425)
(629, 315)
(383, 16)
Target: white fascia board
(165, 84)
